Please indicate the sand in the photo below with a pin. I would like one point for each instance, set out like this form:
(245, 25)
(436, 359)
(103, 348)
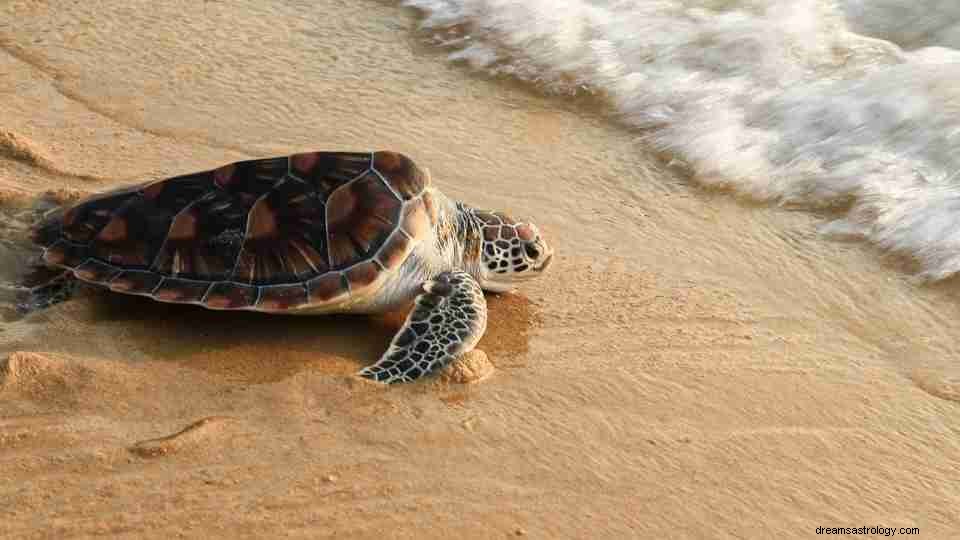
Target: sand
(691, 366)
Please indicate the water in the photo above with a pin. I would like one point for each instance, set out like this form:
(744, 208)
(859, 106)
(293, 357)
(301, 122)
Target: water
(851, 106)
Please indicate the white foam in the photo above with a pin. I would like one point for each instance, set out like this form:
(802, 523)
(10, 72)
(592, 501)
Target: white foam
(850, 104)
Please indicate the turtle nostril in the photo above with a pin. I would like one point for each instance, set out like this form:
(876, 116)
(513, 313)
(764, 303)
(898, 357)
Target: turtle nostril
(531, 251)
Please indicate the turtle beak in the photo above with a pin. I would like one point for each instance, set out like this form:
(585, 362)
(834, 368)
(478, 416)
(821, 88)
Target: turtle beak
(495, 287)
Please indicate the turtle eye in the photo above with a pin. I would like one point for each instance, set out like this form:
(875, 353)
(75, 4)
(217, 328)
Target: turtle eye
(531, 251)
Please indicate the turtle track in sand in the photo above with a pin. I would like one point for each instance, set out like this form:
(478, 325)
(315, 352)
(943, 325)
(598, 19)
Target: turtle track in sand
(20, 148)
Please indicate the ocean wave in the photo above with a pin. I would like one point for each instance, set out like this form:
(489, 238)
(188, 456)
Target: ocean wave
(851, 105)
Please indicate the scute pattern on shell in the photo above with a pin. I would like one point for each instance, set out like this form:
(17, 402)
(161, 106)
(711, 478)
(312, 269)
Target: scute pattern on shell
(268, 234)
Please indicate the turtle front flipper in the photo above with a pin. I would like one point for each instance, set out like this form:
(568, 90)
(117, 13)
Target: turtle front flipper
(448, 319)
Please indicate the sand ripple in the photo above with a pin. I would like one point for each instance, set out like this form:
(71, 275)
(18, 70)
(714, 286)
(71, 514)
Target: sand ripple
(938, 384)
(194, 435)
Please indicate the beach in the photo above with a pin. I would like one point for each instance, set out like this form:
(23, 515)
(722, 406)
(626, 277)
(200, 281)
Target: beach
(696, 363)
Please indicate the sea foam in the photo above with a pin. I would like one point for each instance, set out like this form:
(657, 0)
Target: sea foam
(852, 105)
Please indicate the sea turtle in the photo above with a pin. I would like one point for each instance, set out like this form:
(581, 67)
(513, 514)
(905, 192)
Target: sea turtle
(309, 233)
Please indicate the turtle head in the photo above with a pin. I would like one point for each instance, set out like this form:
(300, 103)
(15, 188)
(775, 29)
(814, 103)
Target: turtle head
(513, 251)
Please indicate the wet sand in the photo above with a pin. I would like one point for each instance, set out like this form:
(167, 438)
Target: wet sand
(691, 366)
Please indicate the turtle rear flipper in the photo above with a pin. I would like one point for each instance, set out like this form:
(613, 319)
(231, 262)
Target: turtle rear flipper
(448, 320)
(44, 287)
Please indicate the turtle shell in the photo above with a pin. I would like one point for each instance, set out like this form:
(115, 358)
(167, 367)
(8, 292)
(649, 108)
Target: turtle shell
(274, 234)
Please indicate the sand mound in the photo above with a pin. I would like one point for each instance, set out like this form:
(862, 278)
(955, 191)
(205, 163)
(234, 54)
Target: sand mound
(472, 367)
(20, 148)
(25, 150)
(32, 382)
(40, 377)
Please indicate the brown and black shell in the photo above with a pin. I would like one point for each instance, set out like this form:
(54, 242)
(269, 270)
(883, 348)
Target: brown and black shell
(271, 234)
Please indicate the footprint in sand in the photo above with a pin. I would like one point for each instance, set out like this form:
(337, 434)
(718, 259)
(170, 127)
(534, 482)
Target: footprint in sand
(195, 435)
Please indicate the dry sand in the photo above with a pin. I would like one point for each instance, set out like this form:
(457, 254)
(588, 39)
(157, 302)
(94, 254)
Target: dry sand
(691, 367)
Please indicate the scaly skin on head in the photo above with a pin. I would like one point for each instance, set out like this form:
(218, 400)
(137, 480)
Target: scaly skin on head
(458, 238)
(498, 251)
